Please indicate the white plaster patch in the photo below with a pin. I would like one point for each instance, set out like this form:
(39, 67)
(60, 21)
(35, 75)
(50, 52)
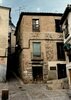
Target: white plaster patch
(2, 73)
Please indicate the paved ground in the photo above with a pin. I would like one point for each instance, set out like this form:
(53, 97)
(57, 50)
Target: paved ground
(35, 92)
(18, 91)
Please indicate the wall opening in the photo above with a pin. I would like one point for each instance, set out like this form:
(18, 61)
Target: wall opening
(37, 73)
(12, 66)
(61, 68)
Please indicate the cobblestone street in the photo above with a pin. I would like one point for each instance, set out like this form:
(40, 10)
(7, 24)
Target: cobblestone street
(19, 91)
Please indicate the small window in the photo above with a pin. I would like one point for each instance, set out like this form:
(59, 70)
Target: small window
(60, 51)
(35, 25)
(57, 26)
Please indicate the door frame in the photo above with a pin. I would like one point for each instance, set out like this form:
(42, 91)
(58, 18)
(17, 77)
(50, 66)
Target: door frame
(41, 73)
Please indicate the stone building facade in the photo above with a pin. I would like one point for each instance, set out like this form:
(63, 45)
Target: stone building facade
(66, 26)
(39, 42)
(4, 29)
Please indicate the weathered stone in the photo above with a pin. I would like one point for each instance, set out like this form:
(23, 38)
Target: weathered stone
(48, 39)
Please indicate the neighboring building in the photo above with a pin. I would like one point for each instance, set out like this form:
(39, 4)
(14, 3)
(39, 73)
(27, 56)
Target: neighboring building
(11, 50)
(66, 26)
(11, 38)
(39, 42)
(4, 30)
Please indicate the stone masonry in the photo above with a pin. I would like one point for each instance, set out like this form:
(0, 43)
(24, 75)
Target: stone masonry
(48, 39)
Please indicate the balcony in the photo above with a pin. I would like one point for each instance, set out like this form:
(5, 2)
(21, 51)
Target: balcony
(36, 57)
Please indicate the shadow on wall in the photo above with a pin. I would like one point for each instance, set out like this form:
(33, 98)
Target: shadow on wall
(12, 67)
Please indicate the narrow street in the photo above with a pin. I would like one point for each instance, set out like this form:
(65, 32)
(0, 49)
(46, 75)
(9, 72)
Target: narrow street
(19, 91)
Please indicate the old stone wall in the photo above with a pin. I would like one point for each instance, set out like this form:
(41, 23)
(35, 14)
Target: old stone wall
(48, 38)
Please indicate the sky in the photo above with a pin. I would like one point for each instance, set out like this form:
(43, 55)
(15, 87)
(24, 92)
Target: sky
(18, 6)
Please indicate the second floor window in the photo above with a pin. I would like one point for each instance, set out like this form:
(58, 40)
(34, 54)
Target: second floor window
(57, 26)
(35, 25)
(36, 49)
(60, 51)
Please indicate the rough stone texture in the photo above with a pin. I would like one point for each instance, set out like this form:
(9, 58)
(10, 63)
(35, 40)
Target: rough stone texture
(38, 91)
(58, 84)
(48, 38)
(51, 50)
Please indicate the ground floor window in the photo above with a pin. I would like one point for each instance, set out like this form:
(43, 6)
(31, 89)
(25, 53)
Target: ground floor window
(61, 69)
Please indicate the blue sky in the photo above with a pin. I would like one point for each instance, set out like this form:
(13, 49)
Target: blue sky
(57, 6)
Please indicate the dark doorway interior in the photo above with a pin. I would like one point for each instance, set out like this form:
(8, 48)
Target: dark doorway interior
(12, 67)
(61, 71)
(37, 73)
